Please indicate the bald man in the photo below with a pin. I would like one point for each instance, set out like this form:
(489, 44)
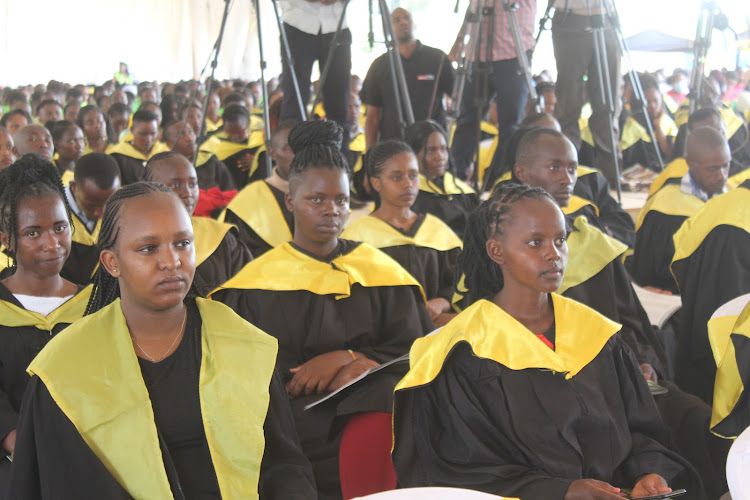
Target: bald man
(211, 171)
(708, 159)
(33, 139)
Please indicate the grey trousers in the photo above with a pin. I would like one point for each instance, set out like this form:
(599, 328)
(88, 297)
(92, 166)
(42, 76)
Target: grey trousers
(573, 42)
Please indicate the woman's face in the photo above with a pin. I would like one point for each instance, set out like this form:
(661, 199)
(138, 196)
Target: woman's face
(94, 126)
(71, 144)
(434, 156)
(320, 204)
(44, 236)
(153, 257)
(398, 182)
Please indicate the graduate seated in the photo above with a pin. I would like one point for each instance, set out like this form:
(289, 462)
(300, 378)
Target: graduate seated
(49, 110)
(68, 141)
(711, 266)
(132, 155)
(15, 120)
(192, 114)
(213, 119)
(440, 193)
(36, 302)
(219, 255)
(95, 179)
(236, 145)
(132, 402)
(708, 161)
(337, 307)
(94, 125)
(34, 139)
(119, 116)
(7, 157)
(259, 210)
(211, 171)
(423, 244)
(527, 393)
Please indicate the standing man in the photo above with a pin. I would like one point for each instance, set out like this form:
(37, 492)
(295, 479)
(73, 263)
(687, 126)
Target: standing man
(310, 27)
(495, 54)
(429, 76)
(573, 41)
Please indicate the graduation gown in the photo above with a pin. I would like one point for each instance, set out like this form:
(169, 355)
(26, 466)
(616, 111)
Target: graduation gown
(729, 333)
(230, 153)
(487, 405)
(212, 172)
(428, 250)
(259, 212)
(736, 131)
(358, 299)
(711, 266)
(132, 162)
(88, 424)
(657, 222)
(678, 168)
(219, 255)
(448, 198)
(83, 260)
(636, 145)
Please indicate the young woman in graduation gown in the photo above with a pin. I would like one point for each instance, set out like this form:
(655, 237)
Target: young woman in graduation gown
(527, 393)
(423, 244)
(156, 393)
(337, 307)
(35, 302)
(440, 192)
(219, 254)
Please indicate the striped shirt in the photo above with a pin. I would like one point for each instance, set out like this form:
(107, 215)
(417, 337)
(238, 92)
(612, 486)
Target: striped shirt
(497, 26)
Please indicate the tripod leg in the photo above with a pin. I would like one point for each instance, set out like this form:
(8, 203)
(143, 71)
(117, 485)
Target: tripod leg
(287, 53)
(267, 124)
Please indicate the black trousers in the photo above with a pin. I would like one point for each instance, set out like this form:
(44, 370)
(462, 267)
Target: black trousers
(306, 49)
(507, 84)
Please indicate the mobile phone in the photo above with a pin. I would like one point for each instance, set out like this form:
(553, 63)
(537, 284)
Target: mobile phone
(675, 493)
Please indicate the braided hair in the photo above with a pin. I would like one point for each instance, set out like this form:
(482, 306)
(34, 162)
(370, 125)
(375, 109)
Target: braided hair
(377, 156)
(29, 176)
(482, 276)
(315, 144)
(417, 135)
(106, 287)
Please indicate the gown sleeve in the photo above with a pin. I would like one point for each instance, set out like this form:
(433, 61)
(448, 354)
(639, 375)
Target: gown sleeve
(51, 458)
(227, 260)
(285, 471)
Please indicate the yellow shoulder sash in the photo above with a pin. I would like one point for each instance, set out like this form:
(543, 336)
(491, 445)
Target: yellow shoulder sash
(676, 169)
(68, 312)
(256, 158)
(433, 233)
(632, 132)
(256, 205)
(126, 149)
(728, 387)
(81, 234)
(223, 148)
(208, 236)
(358, 143)
(66, 177)
(732, 122)
(451, 185)
(738, 179)
(576, 203)
(581, 170)
(101, 390)
(202, 158)
(589, 251)
(670, 201)
(730, 209)
(492, 333)
(285, 269)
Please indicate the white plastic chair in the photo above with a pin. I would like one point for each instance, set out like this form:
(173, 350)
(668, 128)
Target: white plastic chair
(431, 493)
(738, 467)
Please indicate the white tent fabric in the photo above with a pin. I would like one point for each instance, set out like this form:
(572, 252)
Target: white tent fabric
(82, 41)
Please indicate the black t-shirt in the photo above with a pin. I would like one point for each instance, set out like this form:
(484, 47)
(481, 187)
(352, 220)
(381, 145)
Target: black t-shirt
(421, 71)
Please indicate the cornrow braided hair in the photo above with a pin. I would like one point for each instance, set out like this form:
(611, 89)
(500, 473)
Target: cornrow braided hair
(316, 144)
(483, 277)
(29, 176)
(376, 157)
(106, 287)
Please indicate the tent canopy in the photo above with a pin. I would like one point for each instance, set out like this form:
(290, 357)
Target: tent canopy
(653, 40)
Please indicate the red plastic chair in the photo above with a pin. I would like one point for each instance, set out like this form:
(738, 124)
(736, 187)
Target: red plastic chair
(365, 464)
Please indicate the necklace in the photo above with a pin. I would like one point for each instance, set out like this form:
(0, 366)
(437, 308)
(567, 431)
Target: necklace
(184, 320)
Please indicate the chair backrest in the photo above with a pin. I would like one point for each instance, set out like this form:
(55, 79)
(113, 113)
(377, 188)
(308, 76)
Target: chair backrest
(738, 466)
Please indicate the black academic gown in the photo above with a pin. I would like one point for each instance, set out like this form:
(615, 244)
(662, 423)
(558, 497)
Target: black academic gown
(484, 425)
(212, 172)
(53, 460)
(18, 346)
(237, 213)
(380, 322)
(230, 154)
(448, 199)
(717, 271)
(224, 260)
(132, 162)
(591, 185)
(80, 265)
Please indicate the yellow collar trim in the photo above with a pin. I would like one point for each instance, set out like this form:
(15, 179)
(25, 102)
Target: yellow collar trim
(451, 185)
(676, 169)
(670, 200)
(81, 233)
(576, 203)
(101, 390)
(208, 236)
(580, 335)
(70, 311)
(286, 269)
(589, 251)
(256, 205)
(127, 149)
(223, 148)
(433, 233)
